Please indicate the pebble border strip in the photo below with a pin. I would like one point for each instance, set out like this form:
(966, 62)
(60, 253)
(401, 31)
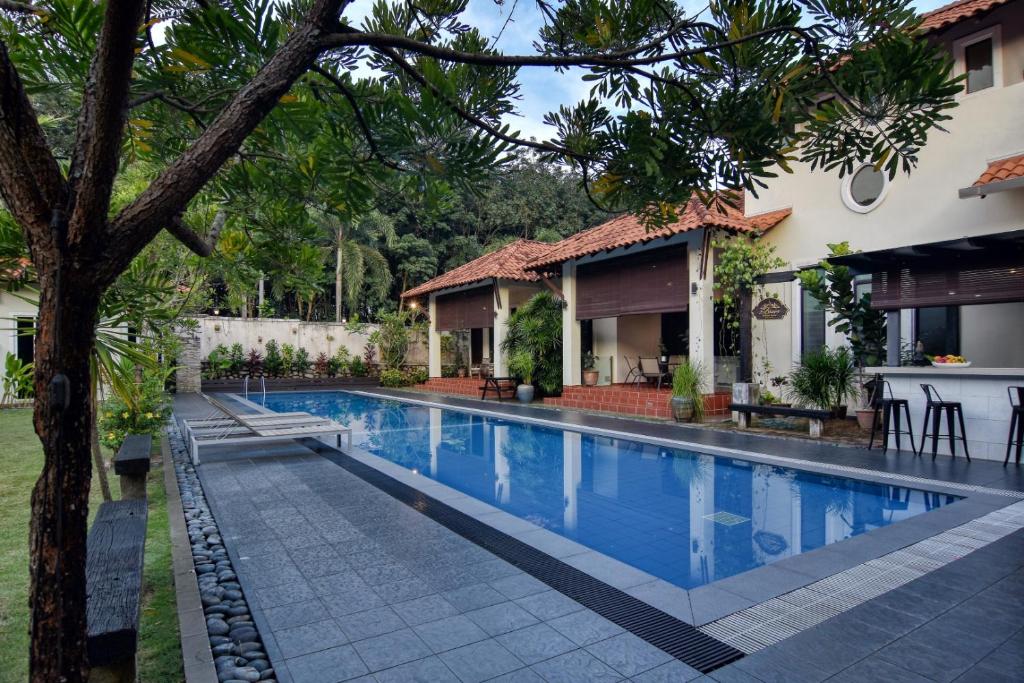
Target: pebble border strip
(238, 653)
(774, 620)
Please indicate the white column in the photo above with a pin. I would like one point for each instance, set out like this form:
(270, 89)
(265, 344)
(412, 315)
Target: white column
(702, 313)
(433, 341)
(572, 474)
(501, 293)
(571, 371)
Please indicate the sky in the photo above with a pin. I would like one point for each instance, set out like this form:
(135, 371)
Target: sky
(542, 90)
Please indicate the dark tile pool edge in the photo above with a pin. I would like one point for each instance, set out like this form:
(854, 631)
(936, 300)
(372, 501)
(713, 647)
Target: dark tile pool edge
(666, 632)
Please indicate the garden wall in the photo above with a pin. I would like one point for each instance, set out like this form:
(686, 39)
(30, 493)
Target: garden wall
(315, 337)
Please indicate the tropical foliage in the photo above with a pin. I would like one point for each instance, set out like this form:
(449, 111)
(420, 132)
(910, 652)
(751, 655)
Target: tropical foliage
(535, 330)
(824, 379)
(688, 381)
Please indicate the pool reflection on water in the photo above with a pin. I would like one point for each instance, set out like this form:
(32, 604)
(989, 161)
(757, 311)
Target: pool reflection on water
(689, 518)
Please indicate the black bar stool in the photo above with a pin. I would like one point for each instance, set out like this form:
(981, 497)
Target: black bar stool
(1016, 424)
(934, 409)
(889, 407)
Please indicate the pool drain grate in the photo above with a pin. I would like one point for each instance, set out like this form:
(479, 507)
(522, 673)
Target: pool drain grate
(679, 639)
(726, 518)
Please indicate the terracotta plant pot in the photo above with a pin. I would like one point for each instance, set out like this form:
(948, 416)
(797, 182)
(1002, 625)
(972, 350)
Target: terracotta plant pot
(865, 418)
(590, 377)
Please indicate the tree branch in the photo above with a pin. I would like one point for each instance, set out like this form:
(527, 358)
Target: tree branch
(19, 7)
(191, 239)
(491, 130)
(101, 122)
(367, 133)
(171, 191)
(30, 179)
(616, 59)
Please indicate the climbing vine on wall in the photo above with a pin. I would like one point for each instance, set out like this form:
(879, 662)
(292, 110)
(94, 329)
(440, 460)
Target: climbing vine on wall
(739, 262)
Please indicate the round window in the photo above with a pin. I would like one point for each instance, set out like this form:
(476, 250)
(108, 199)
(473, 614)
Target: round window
(865, 188)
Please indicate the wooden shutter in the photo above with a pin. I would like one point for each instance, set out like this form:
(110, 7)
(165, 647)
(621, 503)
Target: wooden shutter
(980, 280)
(466, 310)
(654, 281)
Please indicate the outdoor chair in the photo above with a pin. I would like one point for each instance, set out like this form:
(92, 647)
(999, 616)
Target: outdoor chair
(633, 372)
(1016, 424)
(652, 371)
(888, 408)
(934, 408)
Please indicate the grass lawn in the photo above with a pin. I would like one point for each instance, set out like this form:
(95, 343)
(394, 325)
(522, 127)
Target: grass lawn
(20, 462)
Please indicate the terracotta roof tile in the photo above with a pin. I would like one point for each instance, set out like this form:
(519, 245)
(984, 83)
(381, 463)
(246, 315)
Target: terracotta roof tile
(1004, 169)
(955, 12)
(627, 229)
(506, 263)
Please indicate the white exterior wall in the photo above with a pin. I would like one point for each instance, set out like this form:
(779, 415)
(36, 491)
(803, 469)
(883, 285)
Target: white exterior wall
(920, 208)
(12, 307)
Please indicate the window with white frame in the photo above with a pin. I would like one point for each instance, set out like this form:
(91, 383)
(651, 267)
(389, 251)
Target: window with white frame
(864, 189)
(978, 56)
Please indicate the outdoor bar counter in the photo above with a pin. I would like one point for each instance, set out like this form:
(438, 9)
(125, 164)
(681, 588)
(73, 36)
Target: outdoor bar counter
(983, 393)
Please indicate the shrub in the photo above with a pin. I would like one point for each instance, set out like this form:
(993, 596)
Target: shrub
(521, 365)
(357, 367)
(301, 364)
(273, 364)
(254, 361)
(393, 377)
(146, 413)
(287, 357)
(536, 329)
(370, 355)
(236, 358)
(219, 361)
(392, 338)
(321, 364)
(418, 375)
(688, 382)
(825, 379)
(17, 379)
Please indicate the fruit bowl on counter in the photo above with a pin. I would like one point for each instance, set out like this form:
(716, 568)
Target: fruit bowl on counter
(950, 361)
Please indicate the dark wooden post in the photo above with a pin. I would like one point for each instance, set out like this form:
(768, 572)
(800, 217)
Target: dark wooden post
(131, 464)
(746, 337)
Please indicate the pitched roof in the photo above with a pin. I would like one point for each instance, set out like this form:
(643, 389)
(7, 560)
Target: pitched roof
(1004, 169)
(506, 263)
(956, 11)
(628, 229)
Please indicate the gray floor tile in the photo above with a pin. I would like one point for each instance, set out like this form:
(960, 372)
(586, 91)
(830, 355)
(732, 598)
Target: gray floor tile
(327, 666)
(296, 614)
(450, 633)
(578, 666)
(549, 605)
(384, 573)
(402, 590)
(473, 597)
(480, 661)
(536, 643)
(671, 672)
(628, 654)
(391, 649)
(939, 663)
(338, 582)
(426, 670)
(501, 618)
(341, 604)
(301, 640)
(422, 610)
(709, 603)
(285, 594)
(730, 674)
(370, 623)
(518, 676)
(519, 586)
(877, 669)
(584, 628)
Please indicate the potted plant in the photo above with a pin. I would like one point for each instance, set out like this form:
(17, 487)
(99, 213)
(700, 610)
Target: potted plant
(521, 365)
(688, 388)
(460, 364)
(662, 352)
(590, 373)
(825, 379)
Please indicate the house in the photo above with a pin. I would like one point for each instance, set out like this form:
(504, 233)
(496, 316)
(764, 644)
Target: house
(472, 303)
(18, 311)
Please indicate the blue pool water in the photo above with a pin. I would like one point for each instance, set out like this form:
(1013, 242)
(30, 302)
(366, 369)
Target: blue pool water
(686, 517)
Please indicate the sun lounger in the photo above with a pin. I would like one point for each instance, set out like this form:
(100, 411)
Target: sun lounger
(257, 428)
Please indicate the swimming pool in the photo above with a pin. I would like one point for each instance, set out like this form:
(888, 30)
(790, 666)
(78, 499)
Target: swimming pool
(686, 517)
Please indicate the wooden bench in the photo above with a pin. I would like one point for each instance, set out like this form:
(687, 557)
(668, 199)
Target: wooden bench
(131, 464)
(113, 570)
(498, 385)
(816, 417)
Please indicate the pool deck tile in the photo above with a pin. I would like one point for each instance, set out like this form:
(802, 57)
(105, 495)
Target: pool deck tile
(964, 621)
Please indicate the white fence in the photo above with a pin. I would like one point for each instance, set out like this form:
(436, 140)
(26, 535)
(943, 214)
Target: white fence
(315, 337)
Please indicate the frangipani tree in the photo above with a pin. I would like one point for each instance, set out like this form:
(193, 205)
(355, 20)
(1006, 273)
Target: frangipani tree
(680, 104)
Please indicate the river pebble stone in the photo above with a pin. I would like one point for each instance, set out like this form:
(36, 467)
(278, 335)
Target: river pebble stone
(239, 655)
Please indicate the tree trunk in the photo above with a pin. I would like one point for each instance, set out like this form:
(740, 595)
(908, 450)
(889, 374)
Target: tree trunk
(97, 454)
(60, 500)
(339, 263)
